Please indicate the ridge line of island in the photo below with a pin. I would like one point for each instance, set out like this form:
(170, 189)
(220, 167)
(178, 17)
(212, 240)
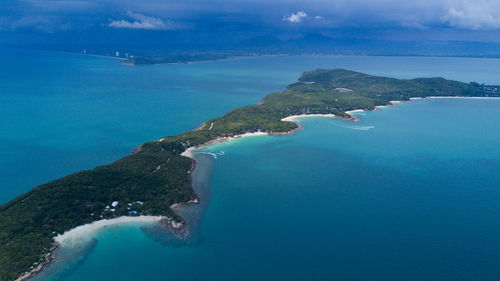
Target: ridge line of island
(154, 180)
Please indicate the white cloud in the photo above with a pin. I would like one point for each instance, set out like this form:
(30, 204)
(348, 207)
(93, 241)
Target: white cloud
(141, 21)
(473, 15)
(295, 18)
(318, 17)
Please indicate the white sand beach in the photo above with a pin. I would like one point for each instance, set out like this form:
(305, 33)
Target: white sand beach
(189, 152)
(80, 235)
(354, 111)
(294, 118)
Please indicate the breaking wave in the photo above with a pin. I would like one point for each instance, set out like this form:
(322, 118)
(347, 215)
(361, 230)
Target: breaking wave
(214, 155)
(360, 128)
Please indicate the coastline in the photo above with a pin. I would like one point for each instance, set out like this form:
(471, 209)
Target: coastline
(75, 235)
(295, 118)
(78, 236)
(292, 118)
(81, 234)
(236, 57)
(49, 258)
(352, 113)
(189, 151)
(229, 58)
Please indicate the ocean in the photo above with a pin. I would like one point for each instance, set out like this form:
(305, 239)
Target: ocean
(409, 192)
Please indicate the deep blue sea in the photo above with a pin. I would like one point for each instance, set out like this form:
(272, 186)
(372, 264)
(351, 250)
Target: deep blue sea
(408, 193)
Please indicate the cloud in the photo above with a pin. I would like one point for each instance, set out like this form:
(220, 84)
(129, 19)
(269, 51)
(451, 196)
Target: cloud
(474, 16)
(242, 17)
(141, 21)
(295, 18)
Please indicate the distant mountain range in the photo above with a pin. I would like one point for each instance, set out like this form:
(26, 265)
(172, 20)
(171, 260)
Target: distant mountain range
(154, 44)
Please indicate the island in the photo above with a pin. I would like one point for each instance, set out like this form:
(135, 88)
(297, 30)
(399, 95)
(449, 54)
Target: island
(157, 174)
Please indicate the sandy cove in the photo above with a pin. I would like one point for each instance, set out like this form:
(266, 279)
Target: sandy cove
(352, 113)
(189, 152)
(79, 235)
(76, 235)
(293, 118)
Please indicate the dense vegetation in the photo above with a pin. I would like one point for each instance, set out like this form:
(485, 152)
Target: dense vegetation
(150, 182)
(156, 175)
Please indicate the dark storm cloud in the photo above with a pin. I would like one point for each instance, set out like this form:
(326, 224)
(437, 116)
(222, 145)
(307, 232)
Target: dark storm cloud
(278, 15)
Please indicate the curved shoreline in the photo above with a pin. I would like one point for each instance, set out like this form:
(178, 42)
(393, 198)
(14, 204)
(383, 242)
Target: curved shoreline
(49, 258)
(292, 118)
(190, 152)
(352, 113)
(75, 235)
(295, 118)
(78, 234)
(81, 232)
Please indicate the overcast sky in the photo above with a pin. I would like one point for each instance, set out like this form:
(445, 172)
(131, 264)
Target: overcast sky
(431, 19)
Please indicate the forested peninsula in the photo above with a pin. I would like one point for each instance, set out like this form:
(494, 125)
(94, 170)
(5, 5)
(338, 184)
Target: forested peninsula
(156, 175)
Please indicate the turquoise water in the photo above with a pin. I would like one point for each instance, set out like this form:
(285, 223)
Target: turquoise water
(61, 113)
(415, 197)
(408, 193)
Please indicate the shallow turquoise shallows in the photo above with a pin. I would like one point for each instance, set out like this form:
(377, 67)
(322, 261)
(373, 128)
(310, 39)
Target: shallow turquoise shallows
(408, 193)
